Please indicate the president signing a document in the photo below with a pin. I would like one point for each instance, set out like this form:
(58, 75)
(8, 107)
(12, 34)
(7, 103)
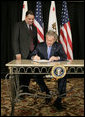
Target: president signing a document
(52, 50)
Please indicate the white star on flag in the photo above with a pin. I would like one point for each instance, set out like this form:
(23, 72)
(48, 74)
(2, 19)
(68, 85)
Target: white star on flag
(38, 22)
(24, 10)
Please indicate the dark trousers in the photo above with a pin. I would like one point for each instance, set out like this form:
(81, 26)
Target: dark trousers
(25, 80)
(61, 90)
(62, 86)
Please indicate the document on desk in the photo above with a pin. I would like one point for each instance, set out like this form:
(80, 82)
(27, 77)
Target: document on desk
(41, 61)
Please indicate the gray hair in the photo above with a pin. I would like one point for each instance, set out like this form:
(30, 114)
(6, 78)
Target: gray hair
(52, 33)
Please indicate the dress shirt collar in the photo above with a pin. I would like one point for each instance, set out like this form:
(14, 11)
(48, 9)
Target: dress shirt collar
(29, 26)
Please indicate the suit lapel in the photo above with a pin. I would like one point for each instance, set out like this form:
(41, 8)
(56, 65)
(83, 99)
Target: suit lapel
(53, 50)
(45, 51)
(25, 26)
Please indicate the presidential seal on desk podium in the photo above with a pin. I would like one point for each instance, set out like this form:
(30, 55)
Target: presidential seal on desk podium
(58, 71)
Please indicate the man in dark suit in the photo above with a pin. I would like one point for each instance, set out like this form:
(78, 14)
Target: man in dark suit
(52, 51)
(24, 42)
(24, 33)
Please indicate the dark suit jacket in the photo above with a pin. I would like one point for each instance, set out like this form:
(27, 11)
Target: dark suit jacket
(21, 39)
(57, 50)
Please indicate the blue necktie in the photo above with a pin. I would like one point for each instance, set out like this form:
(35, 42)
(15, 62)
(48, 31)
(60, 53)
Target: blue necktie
(49, 51)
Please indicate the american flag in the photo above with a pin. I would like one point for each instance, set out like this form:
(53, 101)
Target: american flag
(38, 21)
(65, 32)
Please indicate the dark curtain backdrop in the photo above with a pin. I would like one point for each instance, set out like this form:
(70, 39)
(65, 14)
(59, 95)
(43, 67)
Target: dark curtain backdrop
(11, 12)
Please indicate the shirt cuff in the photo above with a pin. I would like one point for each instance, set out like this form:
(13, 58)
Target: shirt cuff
(58, 57)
